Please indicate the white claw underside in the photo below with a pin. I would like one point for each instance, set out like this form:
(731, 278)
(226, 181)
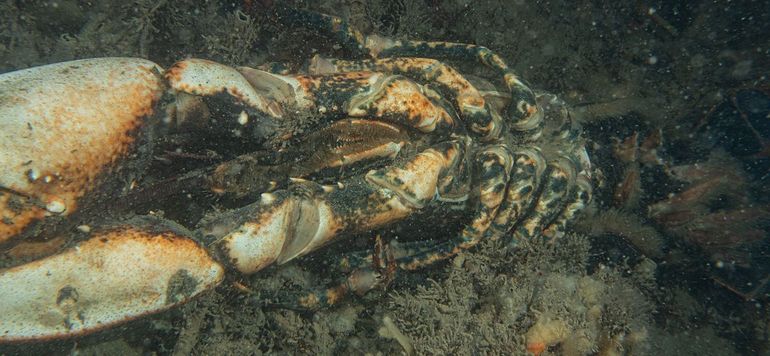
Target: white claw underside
(280, 233)
(314, 227)
(258, 242)
(114, 277)
(62, 125)
(205, 78)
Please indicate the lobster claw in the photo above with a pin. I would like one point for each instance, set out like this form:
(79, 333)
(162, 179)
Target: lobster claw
(66, 129)
(120, 274)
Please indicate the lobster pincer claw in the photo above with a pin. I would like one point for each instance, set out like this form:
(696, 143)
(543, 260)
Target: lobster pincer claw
(121, 273)
(379, 274)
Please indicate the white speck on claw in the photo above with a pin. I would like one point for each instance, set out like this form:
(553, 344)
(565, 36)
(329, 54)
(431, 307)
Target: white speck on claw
(32, 175)
(267, 198)
(243, 118)
(55, 206)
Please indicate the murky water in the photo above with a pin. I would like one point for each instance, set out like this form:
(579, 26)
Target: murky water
(660, 110)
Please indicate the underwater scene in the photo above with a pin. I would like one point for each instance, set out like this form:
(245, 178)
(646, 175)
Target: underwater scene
(384, 177)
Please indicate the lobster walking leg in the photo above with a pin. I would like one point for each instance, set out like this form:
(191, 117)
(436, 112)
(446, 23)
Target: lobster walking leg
(307, 215)
(524, 111)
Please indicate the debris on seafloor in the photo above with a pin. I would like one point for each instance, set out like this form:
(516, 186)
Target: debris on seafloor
(539, 298)
(390, 330)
